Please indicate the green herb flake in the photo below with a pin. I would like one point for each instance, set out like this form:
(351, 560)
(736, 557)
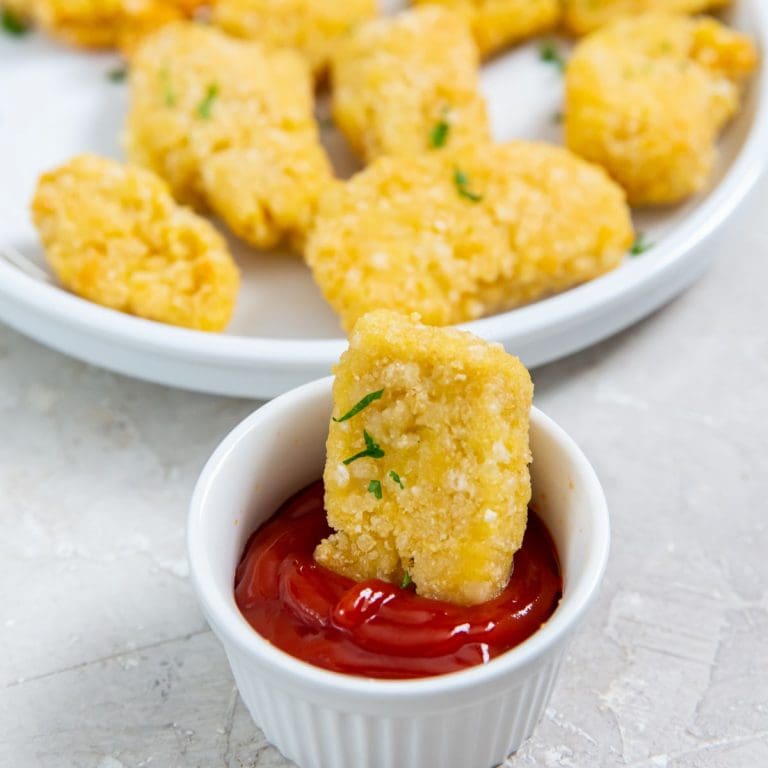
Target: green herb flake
(439, 135)
(374, 487)
(407, 581)
(169, 95)
(640, 246)
(12, 24)
(372, 450)
(461, 180)
(558, 118)
(117, 75)
(548, 52)
(396, 478)
(205, 107)
(364, 403)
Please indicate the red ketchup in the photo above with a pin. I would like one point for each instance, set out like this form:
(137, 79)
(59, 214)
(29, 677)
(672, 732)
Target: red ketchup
(374, 628)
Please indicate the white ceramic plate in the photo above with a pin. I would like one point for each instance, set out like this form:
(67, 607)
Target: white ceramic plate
(55, 102)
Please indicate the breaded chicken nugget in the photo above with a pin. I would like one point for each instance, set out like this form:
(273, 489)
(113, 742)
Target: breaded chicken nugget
(564, 220)
(114, 235)
(583, 16)
(230, 126)
(313, 27)
(497, 24)
(408, 83)
(647, 97)
(108, 23)
(453, 240)
(432, 477)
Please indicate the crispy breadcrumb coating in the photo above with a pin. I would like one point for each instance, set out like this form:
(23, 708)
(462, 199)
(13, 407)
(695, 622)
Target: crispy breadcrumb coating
(107, 23)
(114, 235)
(583, 16)
(647, 97)
(397, 80)
(497, 24)
(405, 234)
(452, 428)
(312, 27)
(230, 126)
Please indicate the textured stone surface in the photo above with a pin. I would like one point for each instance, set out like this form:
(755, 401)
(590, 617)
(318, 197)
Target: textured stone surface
(105, 661)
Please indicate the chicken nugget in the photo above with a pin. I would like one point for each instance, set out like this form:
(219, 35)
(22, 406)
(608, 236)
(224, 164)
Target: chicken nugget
(565, 221)
(114, 235)
(408, 83)
(454, 239)
(398, 235)
(312, 27)
(108, 23)
(497, 24)
(230, 126)
(646, 98)
(430, 478)
(583, 16)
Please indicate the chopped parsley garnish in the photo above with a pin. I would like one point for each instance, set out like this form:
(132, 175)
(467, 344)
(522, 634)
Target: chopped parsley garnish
(118, 74)
(364, 403)
(641, 245)
(374, 487)
(439, 135)
(407, 581)
(558, 118)
(548, 52)
(461, 180)
(372, 450)
(12, 24)
(396, 478)
(205, 107)
(169, 95)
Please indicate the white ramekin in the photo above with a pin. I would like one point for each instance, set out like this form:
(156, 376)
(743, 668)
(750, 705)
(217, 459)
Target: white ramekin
(321, 719)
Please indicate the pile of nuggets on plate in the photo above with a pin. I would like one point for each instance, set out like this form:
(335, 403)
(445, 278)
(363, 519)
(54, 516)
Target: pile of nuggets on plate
(442, 221)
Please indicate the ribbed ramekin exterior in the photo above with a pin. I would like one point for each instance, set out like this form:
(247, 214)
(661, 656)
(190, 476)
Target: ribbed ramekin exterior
(480, 733)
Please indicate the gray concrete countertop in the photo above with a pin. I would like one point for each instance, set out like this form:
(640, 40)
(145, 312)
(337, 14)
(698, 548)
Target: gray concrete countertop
(106, 662)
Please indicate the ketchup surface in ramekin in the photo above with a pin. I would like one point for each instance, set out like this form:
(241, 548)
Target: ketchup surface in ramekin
(374, 628)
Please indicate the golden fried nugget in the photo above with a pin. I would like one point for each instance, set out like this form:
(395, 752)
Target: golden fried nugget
(408, 83)
(647, 97)
(455, 239)
(497, 24)
(108, 23)
(312, 27)
(443, 488)
(583, 16)
(564, 220)
(230, 126)
(114, 235)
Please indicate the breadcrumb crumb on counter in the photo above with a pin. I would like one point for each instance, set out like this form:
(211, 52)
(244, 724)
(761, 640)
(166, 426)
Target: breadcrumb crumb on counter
(108, 23)
(583, 16)
(497, 24)
(646, 98)
(445, 498)
(454, 238)
(409, 83)
(312, 27)
(114, 235)
(230, 126)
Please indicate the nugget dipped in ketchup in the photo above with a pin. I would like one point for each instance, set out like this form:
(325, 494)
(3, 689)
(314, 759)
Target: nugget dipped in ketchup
(417, 554)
